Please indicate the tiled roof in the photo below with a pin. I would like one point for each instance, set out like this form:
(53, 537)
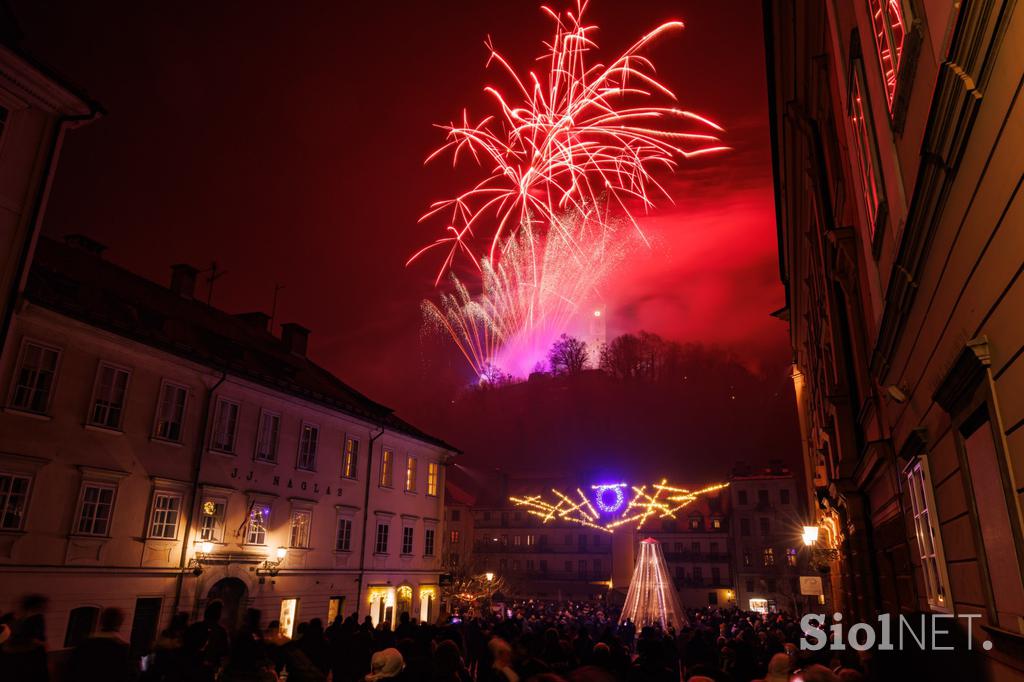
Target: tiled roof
(87, 288)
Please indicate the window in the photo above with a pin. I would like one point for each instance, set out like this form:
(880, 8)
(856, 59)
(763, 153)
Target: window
(531, 540)
(698, 574)
(543, 565)
(301, 520)
(407, 540)
(791, 556)
(267, 437)
(597, 565)
(529, 565)
(307, 447)
(867, 150)
(13, 501)
(455, 515)
(677, 547)
(343, 541)
(432, 471)
(454, 537)
(716, 575)
(695, 522)
(428, 543)
(515, 565)
(581, 568)
(387, 459)
(784, 496)
(34, 378)
(745, 527)
(410, 474)
(765, 525)
(381, 545)
(762, 497)
(257, 523)
(750, 584)
(211, 519)
(109, 396)
(769, 556)
(742, 496)
(163, 523)
(350, 460)
(929, 542)
(716, 524)
(225, 426)
(95, 509)
(889, 26)
(516, 540)
(695, 547)
(713, 548)
(746, 558)
(170, 412)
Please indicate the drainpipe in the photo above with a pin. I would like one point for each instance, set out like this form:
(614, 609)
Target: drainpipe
(200, 450)
(366, 514)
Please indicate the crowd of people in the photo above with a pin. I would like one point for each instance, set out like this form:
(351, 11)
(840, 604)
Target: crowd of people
(523, 641)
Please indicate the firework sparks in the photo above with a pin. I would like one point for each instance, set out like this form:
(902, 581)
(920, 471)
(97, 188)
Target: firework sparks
(564, 140)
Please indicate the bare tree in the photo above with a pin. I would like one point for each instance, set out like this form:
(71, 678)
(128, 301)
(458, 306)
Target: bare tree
(568, 355)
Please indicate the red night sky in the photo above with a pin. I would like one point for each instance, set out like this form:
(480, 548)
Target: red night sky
(287, 143)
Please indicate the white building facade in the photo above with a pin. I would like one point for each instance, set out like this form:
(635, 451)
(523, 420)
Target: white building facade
(156, 454)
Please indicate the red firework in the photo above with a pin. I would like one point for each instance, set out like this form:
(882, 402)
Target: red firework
(567, 139)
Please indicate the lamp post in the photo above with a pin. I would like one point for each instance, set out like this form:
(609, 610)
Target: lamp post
(271, 566)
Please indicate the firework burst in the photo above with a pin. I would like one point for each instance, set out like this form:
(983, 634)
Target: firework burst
(565, 139)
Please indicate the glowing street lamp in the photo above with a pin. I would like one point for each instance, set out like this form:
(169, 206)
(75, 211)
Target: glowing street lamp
(489, 576)
(810, 535)
(282, 552)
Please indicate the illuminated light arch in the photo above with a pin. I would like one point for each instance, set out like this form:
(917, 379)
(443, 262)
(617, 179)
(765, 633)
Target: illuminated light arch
(600, 497)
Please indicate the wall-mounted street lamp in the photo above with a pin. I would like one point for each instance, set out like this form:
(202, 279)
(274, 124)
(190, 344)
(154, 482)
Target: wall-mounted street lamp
(203, 550)
(820, 556)
(272, 566)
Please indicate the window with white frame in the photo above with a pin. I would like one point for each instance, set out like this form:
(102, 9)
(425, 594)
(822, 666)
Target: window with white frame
(432, 471)
(381, 544)
(350, 458)
(34, 378)
(109, 396)
(211, 519)
(300, 526)
(257, 523)
(343, 540)
(225, 426)
(889, 25)
(428, 542)
(13, 500)
(410, 474)
(267, 437)
(95, 509)
(929, 541)
(308, 438)
(407, 532)
(387, 462)
(866, 144)
(170, 412)
(163, 523)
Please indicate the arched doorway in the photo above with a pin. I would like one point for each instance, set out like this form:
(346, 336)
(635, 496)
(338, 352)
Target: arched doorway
(231, 593)
(404, 602)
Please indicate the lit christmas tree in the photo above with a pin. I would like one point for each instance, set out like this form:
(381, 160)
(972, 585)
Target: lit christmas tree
(652, 598)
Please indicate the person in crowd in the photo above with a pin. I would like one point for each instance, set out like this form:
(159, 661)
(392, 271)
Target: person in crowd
(104, 657)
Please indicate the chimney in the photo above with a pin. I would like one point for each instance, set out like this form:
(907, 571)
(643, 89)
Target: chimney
(256, 320)
(183, 280)
(295, 338)
(85, 244)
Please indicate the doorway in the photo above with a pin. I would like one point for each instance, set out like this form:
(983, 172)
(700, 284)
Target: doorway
(144, 624)
(231, 593)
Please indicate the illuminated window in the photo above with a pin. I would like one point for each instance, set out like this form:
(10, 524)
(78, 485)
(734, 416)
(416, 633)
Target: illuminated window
(343, 541)
(301, 520)
(164, 519)
(531, 540)
(428, 544)
(769, 556)
(267, 437)
(454, 537)
(211, 519)
(791, 556)
(410, 474)
(695, 522)
(350, 462)
(716, 524)
(432, 471)
(13, 500)
(381, 544)
(257, 524)
(889, 26)
(170, 412)
(407, 532)
(866, 149)
(109, 396)
(34, 377)
(387, 459)
(95, 509)
(225, 426)
(308, 439)
(929, 541)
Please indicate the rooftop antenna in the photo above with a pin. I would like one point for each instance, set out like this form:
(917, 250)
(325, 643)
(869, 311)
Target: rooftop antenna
(273, 306)
(211, 279)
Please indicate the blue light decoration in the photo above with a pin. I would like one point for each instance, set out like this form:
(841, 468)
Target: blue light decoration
(601, 496)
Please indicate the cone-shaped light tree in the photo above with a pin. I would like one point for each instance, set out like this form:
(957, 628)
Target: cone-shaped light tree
(652, 598)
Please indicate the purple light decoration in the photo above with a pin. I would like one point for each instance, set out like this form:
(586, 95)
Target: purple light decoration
(601, 496)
